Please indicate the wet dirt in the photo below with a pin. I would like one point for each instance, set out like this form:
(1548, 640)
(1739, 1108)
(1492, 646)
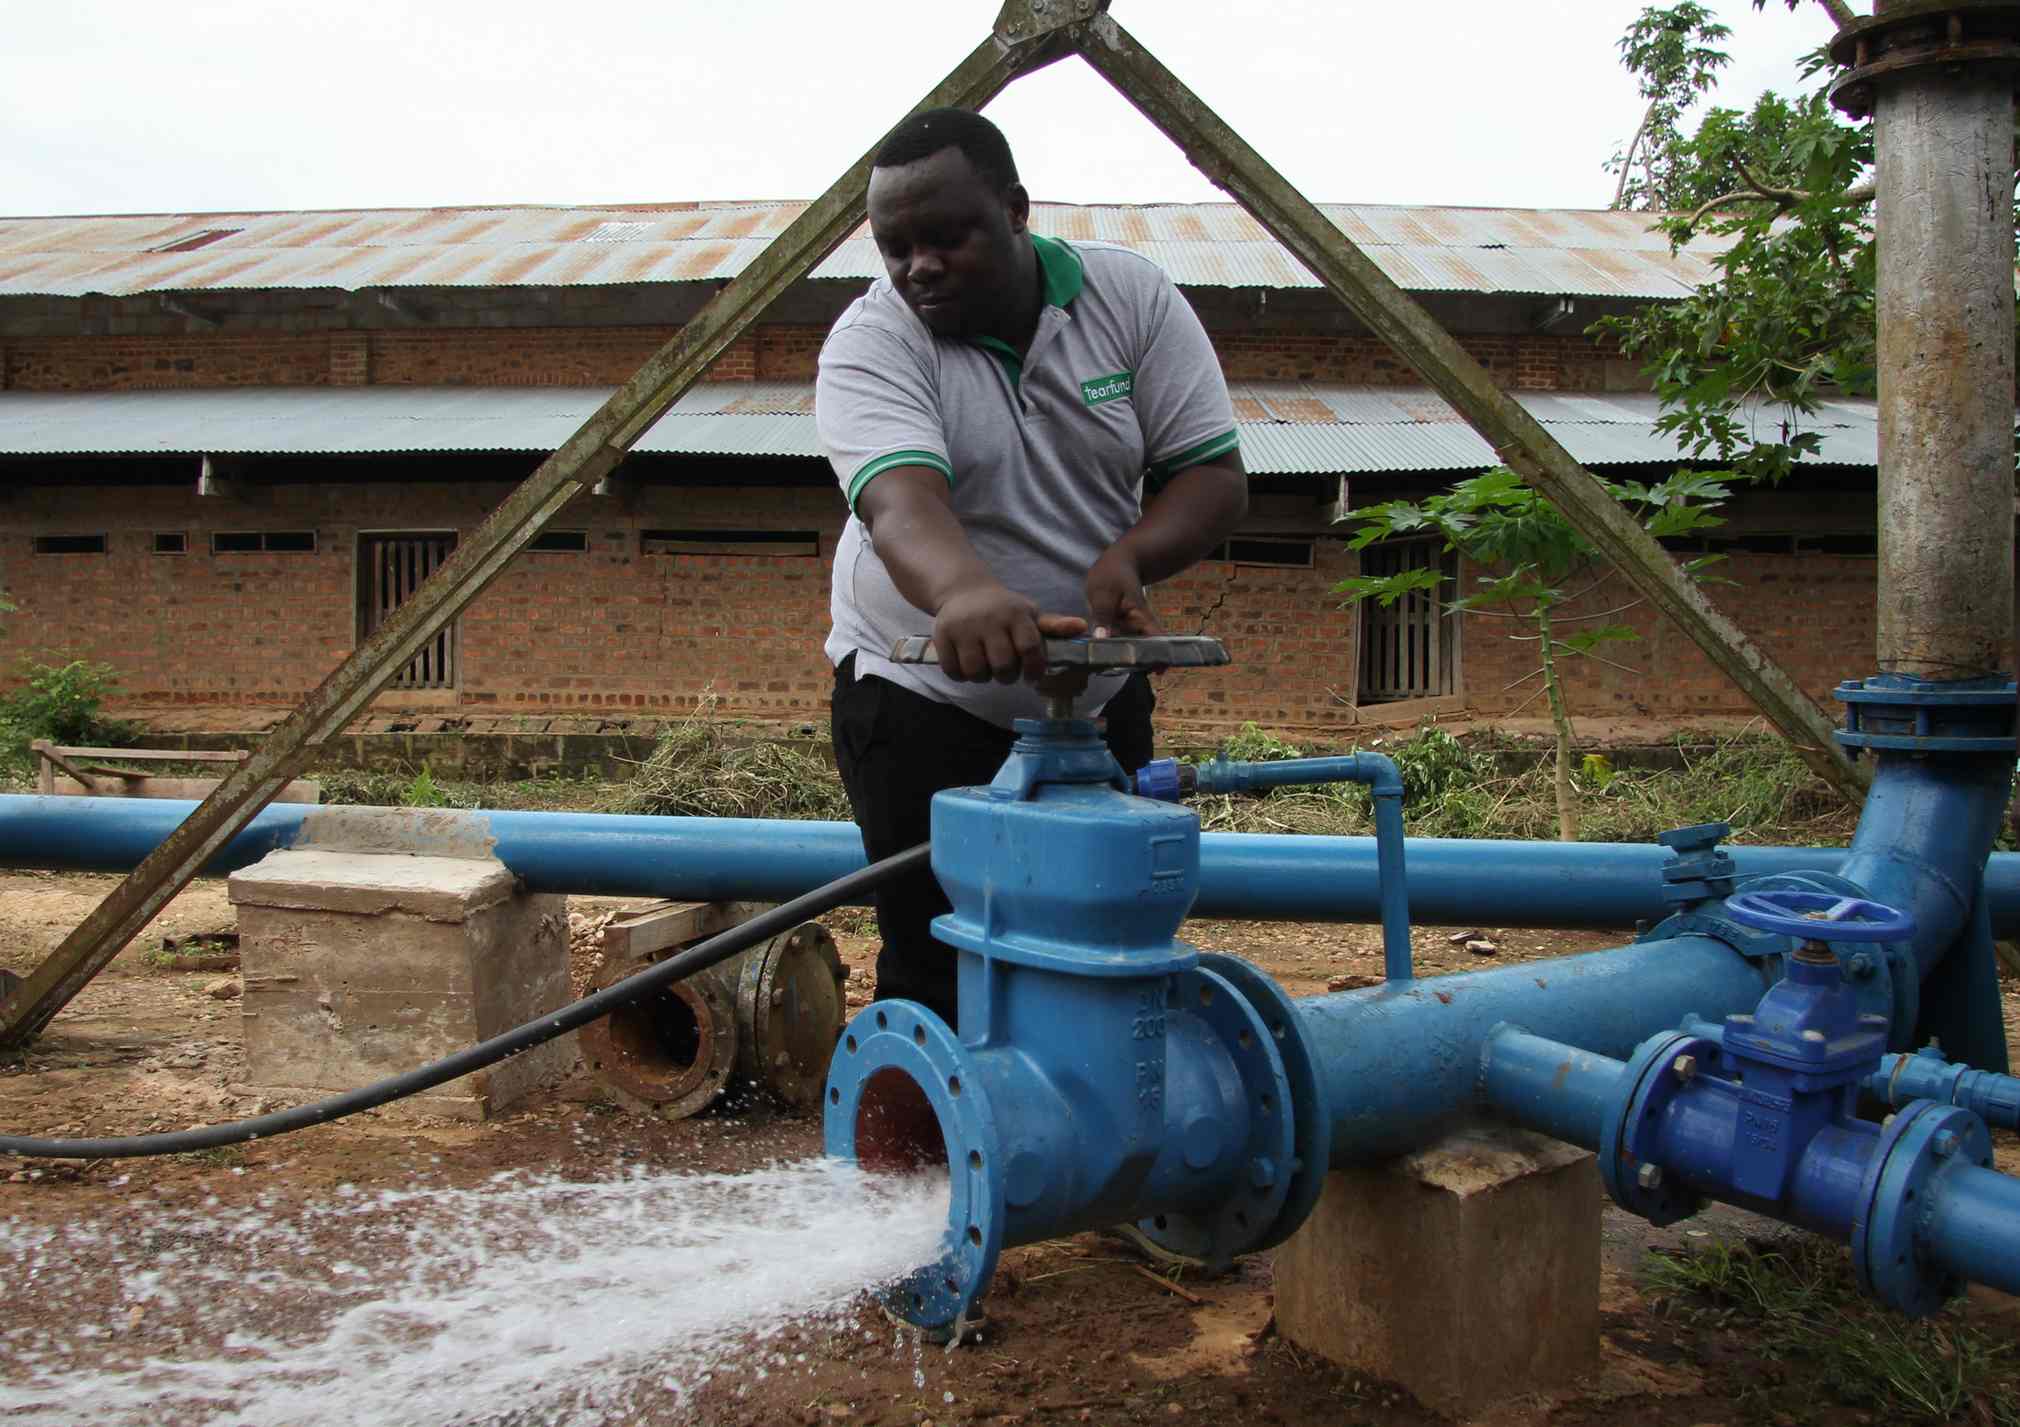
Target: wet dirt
(1078, 1332)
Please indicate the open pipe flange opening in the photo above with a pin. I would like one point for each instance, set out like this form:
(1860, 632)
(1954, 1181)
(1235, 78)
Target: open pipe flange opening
(669, 1053)
(902, 1099)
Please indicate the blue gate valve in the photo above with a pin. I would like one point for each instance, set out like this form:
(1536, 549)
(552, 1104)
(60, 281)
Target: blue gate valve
(1102, 1071)
(1762, 1113)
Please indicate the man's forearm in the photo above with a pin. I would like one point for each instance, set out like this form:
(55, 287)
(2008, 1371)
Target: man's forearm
(1183, 523)
(921, 543)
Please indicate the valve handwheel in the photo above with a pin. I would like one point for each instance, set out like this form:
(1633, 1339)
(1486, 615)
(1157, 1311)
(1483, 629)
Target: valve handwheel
(1112, 654)
(1098, 656)
(1820, 916)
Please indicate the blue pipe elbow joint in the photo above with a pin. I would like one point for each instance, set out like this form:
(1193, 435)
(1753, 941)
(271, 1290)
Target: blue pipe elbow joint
(1103, 1072)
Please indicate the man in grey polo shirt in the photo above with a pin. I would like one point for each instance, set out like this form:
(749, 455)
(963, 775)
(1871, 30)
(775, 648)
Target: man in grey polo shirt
(1028, 432)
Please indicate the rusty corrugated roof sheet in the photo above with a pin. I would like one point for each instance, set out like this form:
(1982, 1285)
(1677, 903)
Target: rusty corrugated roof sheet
(1287, 428)
(1539, 251)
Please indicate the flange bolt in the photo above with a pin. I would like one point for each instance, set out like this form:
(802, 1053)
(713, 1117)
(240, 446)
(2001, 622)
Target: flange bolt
(1685, 1067)
(1945, 1143)
(1649, 1177)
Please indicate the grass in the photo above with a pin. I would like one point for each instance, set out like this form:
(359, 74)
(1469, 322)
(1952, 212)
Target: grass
(1796, 1303)
(194, 954)
(1453, 788)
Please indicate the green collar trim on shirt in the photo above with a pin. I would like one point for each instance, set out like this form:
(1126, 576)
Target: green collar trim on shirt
(1062, 275)
(1060, 269)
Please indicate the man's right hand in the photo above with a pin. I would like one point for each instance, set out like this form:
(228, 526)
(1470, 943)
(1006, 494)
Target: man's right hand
(987, 631)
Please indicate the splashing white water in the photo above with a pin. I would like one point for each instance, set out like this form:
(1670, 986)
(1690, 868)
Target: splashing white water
(526, 1301)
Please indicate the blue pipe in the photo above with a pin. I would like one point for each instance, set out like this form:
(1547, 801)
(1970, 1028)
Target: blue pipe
(1397, 1066)
(1385, 782)
(1557, 1089)
(1921, 842)
(1973, 1227)
(1926, 1075)
(1452, 881)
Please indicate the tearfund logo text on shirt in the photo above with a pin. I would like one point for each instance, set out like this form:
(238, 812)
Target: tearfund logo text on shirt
(1112, 387)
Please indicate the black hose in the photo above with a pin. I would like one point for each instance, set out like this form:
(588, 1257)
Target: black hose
(579, 1013)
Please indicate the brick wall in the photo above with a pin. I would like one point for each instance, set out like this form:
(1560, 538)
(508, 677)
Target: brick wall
(1813, 613)
(1529, 363)
(619, 630)
(606, 356)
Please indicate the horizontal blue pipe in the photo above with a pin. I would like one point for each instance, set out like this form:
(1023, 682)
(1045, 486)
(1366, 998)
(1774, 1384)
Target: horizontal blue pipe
(1280, 877)
(1546, 1085)
(1902, 1079)
(1397, 1066)
(1973, 1226)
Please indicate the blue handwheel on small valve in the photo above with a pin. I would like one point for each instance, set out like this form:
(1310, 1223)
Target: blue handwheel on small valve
(1820, 916)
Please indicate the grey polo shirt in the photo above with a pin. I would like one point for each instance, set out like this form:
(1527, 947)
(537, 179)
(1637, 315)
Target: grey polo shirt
(1047, 459)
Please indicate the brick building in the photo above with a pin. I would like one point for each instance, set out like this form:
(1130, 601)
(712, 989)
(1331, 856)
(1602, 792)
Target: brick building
(230, 443)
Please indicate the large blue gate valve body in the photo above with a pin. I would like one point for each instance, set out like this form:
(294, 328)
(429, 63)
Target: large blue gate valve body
(1102, 1071)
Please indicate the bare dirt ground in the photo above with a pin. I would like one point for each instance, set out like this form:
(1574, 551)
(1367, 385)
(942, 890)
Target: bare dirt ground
(1077, 1332)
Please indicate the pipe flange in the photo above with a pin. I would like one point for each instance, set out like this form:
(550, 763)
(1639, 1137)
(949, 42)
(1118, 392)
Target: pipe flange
(901, 1098)
(1312, 1121)
(1239, 1223)
(669, 1053)
(1916, 1145)
(792, 1005)
(1640, 1185)
(1915, 34)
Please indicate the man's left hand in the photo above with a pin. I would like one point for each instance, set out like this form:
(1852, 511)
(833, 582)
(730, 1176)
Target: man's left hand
(1115, 597)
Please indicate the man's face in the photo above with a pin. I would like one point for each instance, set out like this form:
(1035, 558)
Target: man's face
(949, 241)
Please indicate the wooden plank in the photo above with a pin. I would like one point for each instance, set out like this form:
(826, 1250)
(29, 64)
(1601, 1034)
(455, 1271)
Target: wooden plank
(151, 785)
(50, 755)
(1518, 439)
(160, 755)
(1029, 34)
(636, 937)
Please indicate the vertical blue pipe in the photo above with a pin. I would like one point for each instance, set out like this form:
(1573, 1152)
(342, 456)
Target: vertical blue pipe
(1385, 782)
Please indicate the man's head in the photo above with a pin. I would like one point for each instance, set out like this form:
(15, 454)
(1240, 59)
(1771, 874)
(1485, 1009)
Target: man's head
(949, 218)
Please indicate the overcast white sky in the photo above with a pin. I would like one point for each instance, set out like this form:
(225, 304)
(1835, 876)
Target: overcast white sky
(135, 106)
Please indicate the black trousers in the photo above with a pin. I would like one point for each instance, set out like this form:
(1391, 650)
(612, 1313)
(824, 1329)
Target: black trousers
(895, 749)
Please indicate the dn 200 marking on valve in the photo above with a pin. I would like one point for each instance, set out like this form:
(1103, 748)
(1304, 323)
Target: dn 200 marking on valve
(1149, 1023)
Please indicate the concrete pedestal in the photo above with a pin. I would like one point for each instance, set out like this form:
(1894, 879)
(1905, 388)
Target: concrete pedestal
(1467, 1273)
(358, 966)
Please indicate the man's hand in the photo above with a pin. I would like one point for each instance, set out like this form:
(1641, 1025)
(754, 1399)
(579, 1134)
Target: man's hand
(987, 631)
(1115, 596)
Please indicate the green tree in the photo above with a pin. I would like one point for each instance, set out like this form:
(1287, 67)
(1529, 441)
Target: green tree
(1741, 363)
(1531, 558)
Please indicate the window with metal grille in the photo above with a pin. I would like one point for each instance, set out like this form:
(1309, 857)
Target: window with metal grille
(1410, 649)
(390, 569)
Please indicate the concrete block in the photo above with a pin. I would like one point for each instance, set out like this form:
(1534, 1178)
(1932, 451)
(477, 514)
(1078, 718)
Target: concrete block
(362, 965)
(1467, 1273)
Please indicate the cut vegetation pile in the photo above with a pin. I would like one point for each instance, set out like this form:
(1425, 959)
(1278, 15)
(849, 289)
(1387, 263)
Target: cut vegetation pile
(699, 769)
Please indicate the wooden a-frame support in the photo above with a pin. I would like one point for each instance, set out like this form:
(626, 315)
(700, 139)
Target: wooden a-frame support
(1027, 36)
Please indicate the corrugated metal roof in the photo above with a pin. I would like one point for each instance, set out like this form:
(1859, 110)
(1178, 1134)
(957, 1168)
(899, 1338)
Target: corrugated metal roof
(1287, 428)
(1544, 251)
